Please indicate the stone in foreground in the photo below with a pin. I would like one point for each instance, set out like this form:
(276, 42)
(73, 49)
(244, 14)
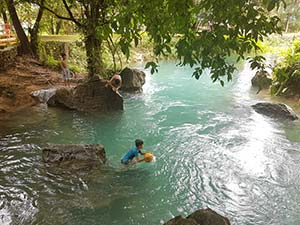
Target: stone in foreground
(274, 110)
(200, 217)
(56, 153)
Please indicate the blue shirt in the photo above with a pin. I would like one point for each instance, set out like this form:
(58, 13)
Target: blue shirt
(133, 152)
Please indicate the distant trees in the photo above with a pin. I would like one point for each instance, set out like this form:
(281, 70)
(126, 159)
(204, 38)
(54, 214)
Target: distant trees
(290, 14)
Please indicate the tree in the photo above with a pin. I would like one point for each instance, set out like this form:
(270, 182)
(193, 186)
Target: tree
(205, 32)
(24, 46)
(4, 16)
(35, 29)
(290, 12)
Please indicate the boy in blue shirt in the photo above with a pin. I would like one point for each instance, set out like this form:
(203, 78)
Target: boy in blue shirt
(134, 153)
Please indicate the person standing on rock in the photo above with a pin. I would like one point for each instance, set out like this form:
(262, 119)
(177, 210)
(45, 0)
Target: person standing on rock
(115, 83)
(65, 69)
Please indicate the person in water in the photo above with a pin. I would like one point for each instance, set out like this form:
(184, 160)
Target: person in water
(115, 83)
(134, 153)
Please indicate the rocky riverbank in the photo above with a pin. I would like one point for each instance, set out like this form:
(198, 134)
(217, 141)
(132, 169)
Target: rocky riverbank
(23, 76)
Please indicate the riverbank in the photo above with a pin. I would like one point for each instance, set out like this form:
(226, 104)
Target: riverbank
(22, 77)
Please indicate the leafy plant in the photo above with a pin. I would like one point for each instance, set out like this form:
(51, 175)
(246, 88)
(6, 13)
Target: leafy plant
(287, 73)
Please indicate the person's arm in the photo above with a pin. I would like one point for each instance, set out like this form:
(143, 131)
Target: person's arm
(139, 159)
(142, 153)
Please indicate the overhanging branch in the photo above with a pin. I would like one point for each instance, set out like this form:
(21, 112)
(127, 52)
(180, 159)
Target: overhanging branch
(70, 12)
(62, 17)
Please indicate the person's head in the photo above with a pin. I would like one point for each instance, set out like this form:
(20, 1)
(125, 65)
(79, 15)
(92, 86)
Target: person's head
(63, 55)
(139, 143)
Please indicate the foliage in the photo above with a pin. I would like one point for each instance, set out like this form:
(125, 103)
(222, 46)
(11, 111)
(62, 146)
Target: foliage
(49, 53)
(52, 63)
(257, 62)
(206, 31)
(287, 73)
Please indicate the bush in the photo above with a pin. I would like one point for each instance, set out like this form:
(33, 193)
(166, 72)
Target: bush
(287, 73)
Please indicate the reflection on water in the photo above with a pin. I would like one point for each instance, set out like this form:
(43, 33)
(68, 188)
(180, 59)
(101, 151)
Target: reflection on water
(212, 150)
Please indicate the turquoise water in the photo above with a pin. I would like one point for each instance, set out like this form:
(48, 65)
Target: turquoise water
(212, 150)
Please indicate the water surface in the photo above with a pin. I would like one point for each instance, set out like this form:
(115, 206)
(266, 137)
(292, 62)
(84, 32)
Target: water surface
(212, 150)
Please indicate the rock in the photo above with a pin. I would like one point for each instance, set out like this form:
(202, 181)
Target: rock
(179, 220)
(208, 217)
(200, 217)
(43, 95)
(132, 80)
(274, 110)
(261, 80)
(91, 95)
(56, 153)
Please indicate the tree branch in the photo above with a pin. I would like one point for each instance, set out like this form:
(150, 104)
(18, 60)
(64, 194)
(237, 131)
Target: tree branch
(62, 17)
(70, 12)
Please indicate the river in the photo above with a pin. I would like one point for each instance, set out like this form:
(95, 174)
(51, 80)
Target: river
(212, 150)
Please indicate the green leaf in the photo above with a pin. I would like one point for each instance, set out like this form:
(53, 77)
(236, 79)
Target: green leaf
(271, 5)
(222, 83)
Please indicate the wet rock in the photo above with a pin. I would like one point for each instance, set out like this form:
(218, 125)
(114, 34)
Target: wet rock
(262, 80)
(56, 153)
(91, 95)
(132, 80)
(200, 217)
(208, 217)
(179, 220)
(43, 95)
(275, 110)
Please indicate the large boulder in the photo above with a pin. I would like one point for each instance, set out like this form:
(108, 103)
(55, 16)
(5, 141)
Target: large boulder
(91, 95)
(262, 80)
(132, 80)
(275, 110)
(57, 153)
(200, 217)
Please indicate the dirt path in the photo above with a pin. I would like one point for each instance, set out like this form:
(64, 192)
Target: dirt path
(25, 76)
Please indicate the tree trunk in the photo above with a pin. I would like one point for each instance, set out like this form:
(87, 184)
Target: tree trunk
(24, 47)
(93, 42)
(58, 26)
(4, 16)
(35, 30)
(94, 57)
(287, 23)
(52, 31)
